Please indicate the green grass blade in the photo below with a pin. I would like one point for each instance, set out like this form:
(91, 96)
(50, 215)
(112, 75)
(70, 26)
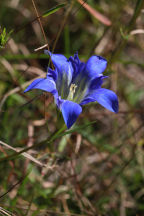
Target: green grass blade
(53, 10)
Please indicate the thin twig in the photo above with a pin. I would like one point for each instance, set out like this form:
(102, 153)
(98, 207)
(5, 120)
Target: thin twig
(39, 20)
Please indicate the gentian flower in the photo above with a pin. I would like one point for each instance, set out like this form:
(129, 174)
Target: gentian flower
(74, 83)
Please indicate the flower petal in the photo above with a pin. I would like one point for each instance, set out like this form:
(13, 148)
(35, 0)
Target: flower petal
(52, 73)
(46, 84)
(64, 71)
(86, 75)
(62, 64)
(70, 112)
(77, 65)
(86, 86)
(96, 83)
(58, 60)
(105, 97)
(95, 66)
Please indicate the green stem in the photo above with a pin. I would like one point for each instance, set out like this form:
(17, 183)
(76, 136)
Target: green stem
(53, 137)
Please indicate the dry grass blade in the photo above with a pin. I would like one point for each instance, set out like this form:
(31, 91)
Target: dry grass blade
(42, 47)
(137, 31)
(103, 19)
(4, 212)
(25, 155)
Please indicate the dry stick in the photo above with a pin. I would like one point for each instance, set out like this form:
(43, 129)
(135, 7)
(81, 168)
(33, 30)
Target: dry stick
(6, 212)
(39, 20)
(26, 155)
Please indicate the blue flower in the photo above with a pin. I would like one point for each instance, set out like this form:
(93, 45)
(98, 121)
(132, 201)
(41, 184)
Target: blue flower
(74, 83)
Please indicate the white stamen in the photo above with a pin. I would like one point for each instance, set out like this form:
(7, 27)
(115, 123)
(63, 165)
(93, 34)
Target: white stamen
(72, 91)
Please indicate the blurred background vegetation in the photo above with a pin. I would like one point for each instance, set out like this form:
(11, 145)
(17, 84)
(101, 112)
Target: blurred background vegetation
(98, 167)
